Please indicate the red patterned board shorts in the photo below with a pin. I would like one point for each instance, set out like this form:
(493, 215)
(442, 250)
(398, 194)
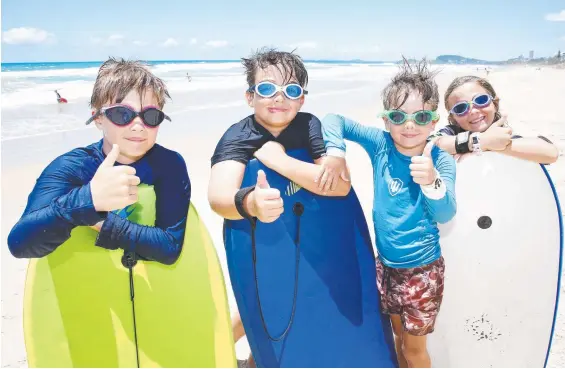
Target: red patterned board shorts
(413, 293)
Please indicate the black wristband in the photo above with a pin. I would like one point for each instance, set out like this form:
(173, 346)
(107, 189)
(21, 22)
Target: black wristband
(462, 143)
(238, 199)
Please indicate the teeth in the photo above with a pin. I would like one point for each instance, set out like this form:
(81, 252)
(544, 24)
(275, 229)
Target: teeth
(477, 120)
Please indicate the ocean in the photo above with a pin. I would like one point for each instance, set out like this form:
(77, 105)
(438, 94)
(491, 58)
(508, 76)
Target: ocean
(29, 105)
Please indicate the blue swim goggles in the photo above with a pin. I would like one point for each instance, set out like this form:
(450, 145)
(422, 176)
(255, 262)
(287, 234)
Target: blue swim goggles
(292, 91)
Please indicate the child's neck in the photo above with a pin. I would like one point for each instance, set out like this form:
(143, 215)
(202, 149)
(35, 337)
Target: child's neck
(412, 151)
(274, 130)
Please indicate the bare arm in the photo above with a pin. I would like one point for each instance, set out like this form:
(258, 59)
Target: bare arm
(532, 149)
(225, 181)
(302, 173)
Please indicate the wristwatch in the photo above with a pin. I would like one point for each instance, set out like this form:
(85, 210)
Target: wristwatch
(476, 142)
(462, 143)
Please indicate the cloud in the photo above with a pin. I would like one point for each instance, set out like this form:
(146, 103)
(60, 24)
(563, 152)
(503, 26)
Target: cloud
(217, 43)
(27, 35)
(170, 42)
(140, 43)
(556, 17)
(304, 45)
(193, 41)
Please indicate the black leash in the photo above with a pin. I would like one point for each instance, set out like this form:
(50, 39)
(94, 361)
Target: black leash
(298, 210)
(129, 261)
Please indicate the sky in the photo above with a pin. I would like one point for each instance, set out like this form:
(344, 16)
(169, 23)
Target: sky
(76, 30)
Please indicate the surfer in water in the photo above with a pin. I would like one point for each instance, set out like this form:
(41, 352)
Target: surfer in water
(60, 100)
(414, 190)
(277, 82)
(476, 124)
(94, 186)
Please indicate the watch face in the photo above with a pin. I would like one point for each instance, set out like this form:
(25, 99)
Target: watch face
(463, 137)
(475, 140)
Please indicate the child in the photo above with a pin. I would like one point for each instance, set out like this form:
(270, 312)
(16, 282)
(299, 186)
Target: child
(477, 125)
(414, 190)
(277, 82)
(276, 93)
(88, 186)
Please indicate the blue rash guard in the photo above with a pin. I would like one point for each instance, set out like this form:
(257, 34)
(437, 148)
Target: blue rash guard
(61, 200)
(405, 219)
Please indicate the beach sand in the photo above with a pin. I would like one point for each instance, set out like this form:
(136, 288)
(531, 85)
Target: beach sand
(531, 98)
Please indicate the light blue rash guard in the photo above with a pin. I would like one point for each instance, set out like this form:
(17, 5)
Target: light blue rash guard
(405, 219)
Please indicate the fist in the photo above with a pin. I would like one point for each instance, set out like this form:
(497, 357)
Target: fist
(269, 152)
(112, 187)
(267, 201)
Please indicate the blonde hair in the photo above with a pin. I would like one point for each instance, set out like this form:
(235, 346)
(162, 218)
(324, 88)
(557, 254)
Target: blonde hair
(117, 77)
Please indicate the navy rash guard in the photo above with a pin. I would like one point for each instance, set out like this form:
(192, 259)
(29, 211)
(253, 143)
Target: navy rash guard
(61, 200)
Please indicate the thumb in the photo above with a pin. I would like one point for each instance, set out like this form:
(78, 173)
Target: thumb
(262, 180)
(428, 149)
(111, 157)
(501, 122)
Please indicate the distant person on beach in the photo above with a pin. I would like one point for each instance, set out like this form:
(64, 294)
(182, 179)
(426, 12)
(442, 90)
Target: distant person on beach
(94, 186)
(476, 124)
(60, 100)
(188, 77)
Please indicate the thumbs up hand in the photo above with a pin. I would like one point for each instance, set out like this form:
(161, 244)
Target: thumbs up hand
(497, 136)
(267, 201)
(422, 167)
(113, 187)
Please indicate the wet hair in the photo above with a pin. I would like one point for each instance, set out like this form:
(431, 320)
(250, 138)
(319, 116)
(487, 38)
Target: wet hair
(460, 81)
(289, 64)
(117, 77)
(411, 77)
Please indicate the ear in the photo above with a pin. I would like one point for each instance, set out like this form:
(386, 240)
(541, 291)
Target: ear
(301, 101)
(97, 120)
(387, 124)
(434, 122)
(249, 97)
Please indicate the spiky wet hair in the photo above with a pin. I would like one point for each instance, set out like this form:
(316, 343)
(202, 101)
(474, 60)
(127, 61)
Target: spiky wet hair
(289, 64)
(411, 77)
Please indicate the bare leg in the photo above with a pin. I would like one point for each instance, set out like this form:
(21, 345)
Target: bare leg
(415, 351)
(398, 335)
(237, 327)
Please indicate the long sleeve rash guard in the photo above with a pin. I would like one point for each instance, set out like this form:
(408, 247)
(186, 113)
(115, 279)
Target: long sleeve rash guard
(61, 200)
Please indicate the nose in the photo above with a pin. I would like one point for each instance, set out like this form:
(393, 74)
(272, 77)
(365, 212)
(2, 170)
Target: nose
(137, 125)
(279, 96)
(409, 124)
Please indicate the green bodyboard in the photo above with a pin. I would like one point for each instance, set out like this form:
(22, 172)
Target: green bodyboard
(78, 310)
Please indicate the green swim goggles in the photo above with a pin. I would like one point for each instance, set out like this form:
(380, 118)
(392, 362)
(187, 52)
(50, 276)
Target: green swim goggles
(421, 117)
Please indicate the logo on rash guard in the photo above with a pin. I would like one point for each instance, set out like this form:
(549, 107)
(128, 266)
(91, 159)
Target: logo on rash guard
(125, 212)
(394, 186)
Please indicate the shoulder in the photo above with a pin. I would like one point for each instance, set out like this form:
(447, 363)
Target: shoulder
(241, 129)
(167, 158)
(307, 118)
(73, 164)
(449, 130)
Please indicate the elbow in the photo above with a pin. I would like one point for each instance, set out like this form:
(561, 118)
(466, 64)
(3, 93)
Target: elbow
(173, 255)
(19, 246)
(447, 216)
(552, 157)
(342, 190)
